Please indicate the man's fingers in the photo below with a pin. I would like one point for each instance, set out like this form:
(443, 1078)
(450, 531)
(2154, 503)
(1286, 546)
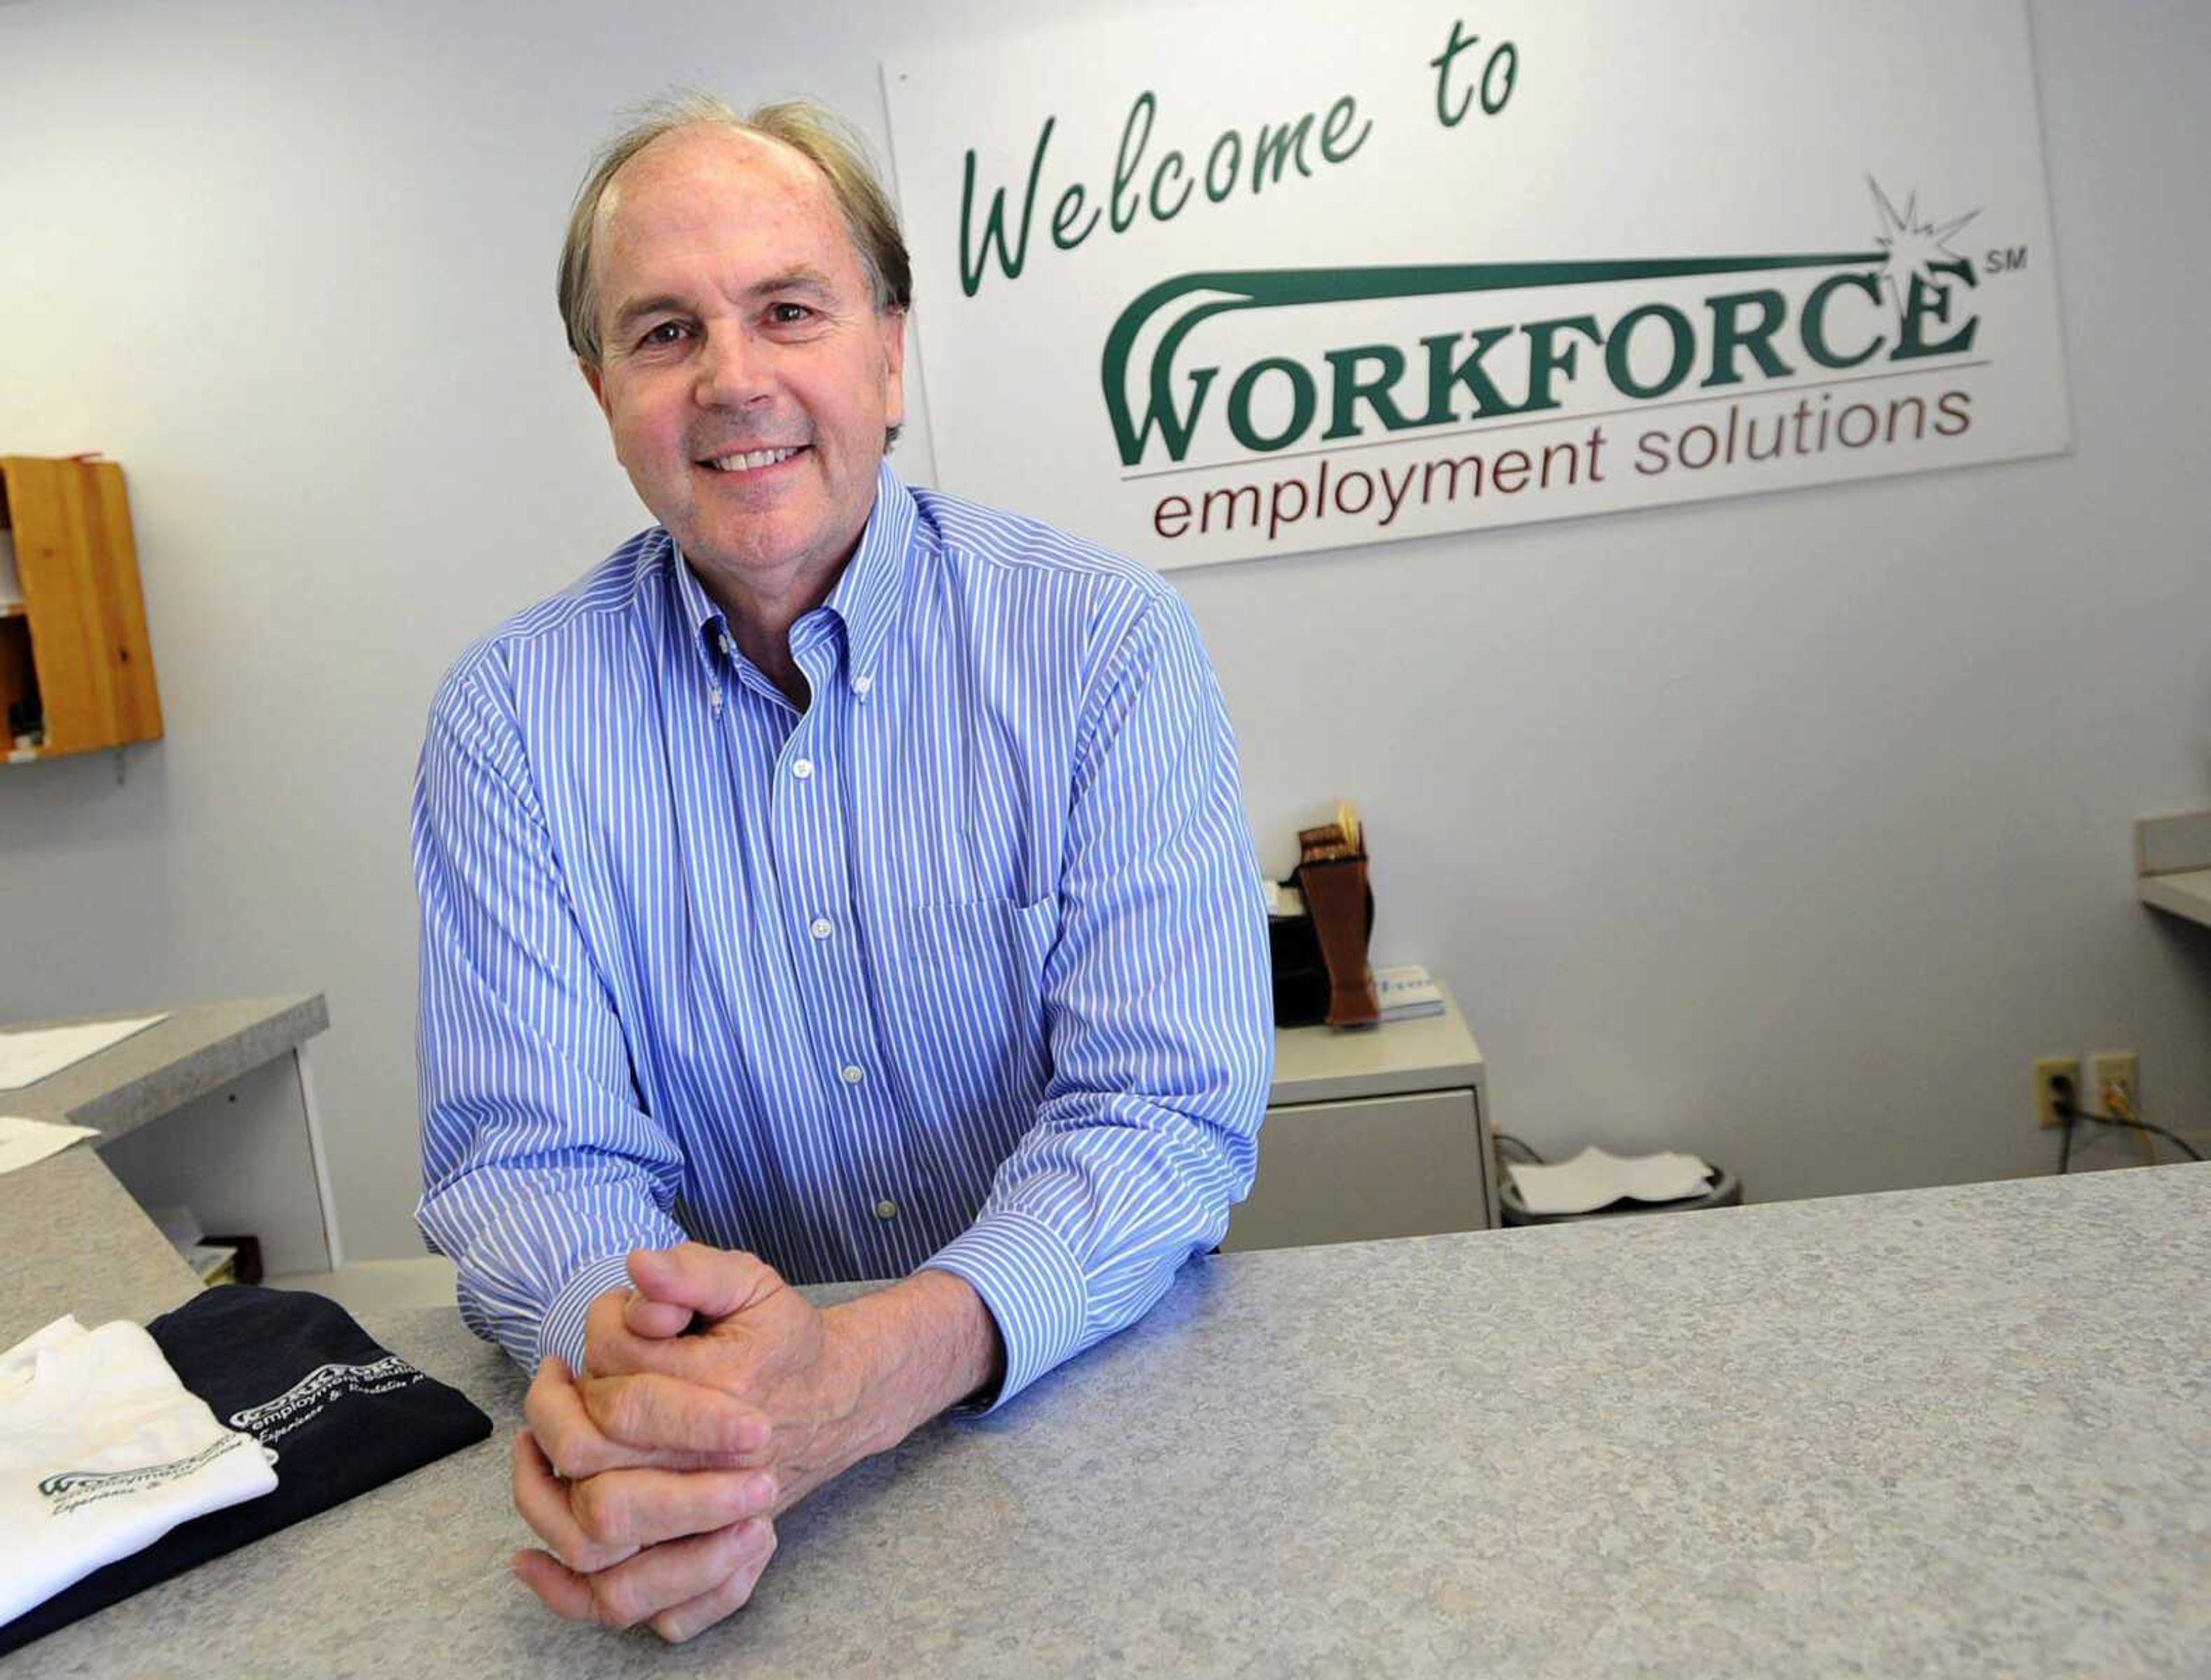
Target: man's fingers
(623, 1314)
(698, 1614)
(697, 1359)
(655, 1320)
(627, 1332)
(543, 1504)
(571, 1442)
(714, 1282)
(666, 1414)
(566, 1593)
(626, 1509)
(603, 1325)
(578, 1446)
(658, 1579)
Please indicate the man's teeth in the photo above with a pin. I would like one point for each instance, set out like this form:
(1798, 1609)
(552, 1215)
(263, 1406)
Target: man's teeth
(747, 463)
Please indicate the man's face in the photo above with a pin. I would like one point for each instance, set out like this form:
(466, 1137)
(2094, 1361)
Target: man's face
(735, 321)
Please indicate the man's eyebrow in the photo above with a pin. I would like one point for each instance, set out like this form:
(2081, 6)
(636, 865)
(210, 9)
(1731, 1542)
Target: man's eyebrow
(800, 279)
(637, 309)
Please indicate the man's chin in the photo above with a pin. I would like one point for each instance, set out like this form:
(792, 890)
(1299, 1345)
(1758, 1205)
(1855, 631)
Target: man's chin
(773, 542)
(755, 548)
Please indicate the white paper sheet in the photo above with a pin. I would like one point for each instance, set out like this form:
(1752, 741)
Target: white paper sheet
(1407, 993)
(25, 1058)
(186, 1235)
(1595, 1179)
(22, 1142)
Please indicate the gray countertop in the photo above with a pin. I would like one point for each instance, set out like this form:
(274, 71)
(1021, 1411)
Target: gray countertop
(1950, 1431)
(199, 1048)
(71, 1238)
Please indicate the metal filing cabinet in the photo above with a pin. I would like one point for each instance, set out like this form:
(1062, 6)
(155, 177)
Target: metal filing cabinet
(1379, 1133)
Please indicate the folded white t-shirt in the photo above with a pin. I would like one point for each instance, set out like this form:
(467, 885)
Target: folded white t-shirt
(102, 1452)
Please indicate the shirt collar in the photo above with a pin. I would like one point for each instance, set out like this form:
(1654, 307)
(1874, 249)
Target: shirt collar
(698, 607)
(866, 595)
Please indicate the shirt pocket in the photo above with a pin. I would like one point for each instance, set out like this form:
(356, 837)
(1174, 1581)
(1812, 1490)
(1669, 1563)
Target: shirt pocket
(971, 984)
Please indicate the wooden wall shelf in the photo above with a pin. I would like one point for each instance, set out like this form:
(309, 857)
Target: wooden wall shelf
(76, 667)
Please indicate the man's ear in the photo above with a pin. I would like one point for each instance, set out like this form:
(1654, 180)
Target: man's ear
(595, 378)
(891, 324)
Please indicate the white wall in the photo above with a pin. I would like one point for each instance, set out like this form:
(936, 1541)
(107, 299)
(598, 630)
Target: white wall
(1787, 828)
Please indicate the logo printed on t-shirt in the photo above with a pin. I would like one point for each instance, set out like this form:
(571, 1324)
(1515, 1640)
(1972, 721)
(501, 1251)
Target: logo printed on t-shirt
(73, 1489)
(315, 1392)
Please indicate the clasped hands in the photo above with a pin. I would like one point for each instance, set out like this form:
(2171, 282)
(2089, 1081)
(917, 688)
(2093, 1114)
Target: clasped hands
(655, 1477)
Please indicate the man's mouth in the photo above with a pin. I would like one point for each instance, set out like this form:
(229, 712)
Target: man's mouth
(751, 460)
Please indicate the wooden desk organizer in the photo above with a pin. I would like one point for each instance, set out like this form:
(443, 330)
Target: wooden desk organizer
(76, 667)
(1332, 876)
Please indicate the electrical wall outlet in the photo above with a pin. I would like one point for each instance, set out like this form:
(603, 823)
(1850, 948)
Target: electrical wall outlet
(2114, 1084)
(2049, 1071)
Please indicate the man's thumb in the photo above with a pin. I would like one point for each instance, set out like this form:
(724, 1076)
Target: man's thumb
(673, 1284)
(654, 1320)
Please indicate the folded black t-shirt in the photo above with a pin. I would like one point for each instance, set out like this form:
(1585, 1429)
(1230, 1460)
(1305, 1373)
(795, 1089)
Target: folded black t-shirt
(341, 1414)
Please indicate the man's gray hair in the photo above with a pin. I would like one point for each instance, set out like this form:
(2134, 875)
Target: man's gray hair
(824, 139)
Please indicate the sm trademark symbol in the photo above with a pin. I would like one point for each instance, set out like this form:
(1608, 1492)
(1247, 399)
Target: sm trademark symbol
(2004, 259)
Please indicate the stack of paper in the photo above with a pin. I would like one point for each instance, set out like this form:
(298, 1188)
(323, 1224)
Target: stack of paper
(22, 1142)
(30, 1054)
(1407, 993)
(1594, 1180)
(215, 1262)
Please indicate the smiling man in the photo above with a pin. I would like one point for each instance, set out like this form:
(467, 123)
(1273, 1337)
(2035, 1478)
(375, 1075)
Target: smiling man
(840, 882)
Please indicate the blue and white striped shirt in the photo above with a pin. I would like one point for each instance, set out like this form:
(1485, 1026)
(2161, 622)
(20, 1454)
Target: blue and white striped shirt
(961, 965)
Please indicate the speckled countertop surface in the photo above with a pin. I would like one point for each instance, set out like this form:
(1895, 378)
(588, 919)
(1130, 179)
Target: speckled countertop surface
(71, 1239)
(198, 1048)
(1955, 1431)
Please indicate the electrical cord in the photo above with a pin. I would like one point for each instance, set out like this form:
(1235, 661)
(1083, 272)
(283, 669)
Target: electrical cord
(2171, 1137)
(2068, 1112)
(1507, 1138)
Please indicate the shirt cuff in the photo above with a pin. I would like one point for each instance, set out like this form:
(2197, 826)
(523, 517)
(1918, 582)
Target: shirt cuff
(1033, 1287)
(560, 1332)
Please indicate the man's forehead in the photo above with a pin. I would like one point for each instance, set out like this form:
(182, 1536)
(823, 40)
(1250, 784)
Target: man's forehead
(706, 153)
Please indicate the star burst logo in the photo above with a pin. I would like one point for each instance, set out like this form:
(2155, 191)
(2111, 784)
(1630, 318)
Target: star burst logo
(1913, 247)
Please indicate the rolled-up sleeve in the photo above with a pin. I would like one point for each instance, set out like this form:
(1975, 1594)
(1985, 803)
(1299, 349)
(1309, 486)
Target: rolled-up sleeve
(1159, 1009)
(540, 1168)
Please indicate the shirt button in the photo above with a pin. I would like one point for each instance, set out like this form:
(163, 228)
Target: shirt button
(861, 684)
(886, 1209)
(820, 928)
(802, 768)
(850, 1074)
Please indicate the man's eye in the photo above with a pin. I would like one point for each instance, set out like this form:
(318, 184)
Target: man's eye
(789, 314)
(666, 333)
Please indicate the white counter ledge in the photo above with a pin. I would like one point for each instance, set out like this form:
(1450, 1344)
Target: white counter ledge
(2173, 864)
(210, 1107)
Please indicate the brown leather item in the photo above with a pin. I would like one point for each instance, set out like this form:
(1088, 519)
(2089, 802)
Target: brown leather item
(1334, 888)
(1325, 841)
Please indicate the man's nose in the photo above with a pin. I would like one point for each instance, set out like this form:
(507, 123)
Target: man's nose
(732, 369)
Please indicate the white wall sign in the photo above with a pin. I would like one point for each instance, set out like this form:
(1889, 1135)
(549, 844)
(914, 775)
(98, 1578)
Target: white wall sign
(1217, 282)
